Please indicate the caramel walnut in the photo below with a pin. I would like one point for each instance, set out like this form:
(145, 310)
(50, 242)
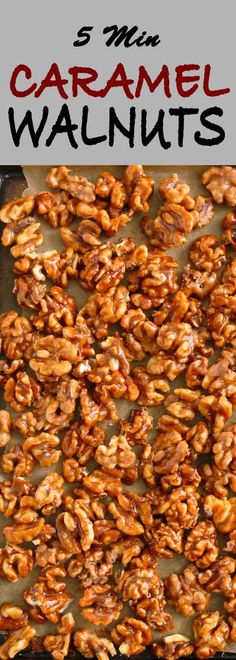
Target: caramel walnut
(229, 229)
(220, 378)
(205, 210)
(174, 190)
(126, 521)
(92, 568)
(228, 274)
(101, 268)
(218, 578)
(29, 292)
(48, 493)
(17, 641)
(60, 267)
(145, 590)
(179, 339)
(180, 507)
(198, 282)
(57, 309)
(109, 220)
(140, 333)
(173, 647)
(211, 633)
(67, 527)
(16, 335)
(85, 236)
(58, 645)
(21, 391)
(151, 389)
(109, 187)
(231, 543)
(168, 459)
(202, 546)
(102, 309)
(199, 439)
(11, 493)
(110, 372)
(217, 482)
(182, 403)
(138, 505)
(54, 208)
(17, 460)
(217, 409)
(221, 182)
(170, 227)
(48, 594)
(106, 532)
(131, 636)
(167, 424)
(183, 475)
(7, 368)
(207, 254)
(44, 448)
(22, 236)
(223, 512)
(117, 453)
(22, 532)
(30, 265)
(196, 371)
(12, 617)
(100, 605)
(81, 336)
(16, 209)
(77, 186)
(151, 610)
(51, 413)
(156, 278)
(179, 308)
(124, 550)
(231, 622)
(15, 562)
(139, 187)
(136, 428)
(221, 316)
(45, 554)
(93, 412)
(185, 593)
(164, 540)
(162, 363)
(53, 356)
(137, 583)
(224, 449)
(81, 441)
(75, 529)
(72, 470)
(91, 645)
(5, 428)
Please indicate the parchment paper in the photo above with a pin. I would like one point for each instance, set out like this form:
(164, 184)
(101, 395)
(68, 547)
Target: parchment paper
(36, 182)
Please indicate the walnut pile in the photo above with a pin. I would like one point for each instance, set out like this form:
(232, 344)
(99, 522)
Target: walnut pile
(159, 336)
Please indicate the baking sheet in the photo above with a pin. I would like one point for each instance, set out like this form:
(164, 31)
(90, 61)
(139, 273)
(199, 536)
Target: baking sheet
(35, 177)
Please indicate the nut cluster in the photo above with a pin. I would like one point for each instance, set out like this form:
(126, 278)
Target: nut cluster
(63, 370)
